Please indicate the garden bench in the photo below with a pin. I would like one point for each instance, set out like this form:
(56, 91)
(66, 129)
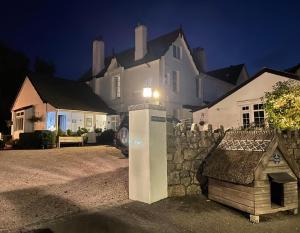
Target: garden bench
(78, 140)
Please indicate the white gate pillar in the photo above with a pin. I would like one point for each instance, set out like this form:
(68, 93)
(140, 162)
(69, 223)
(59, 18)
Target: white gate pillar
(147, 153)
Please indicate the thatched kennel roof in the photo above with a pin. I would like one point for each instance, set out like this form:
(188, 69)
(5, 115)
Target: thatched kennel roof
(238, 155)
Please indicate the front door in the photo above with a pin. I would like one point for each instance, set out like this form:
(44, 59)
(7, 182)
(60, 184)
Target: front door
(62, 122)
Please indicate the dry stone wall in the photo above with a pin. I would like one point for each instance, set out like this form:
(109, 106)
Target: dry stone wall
(186, 150)
(291, 139)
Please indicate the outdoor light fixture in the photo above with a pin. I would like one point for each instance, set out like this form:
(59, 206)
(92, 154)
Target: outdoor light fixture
(147, 92)
(156, 94)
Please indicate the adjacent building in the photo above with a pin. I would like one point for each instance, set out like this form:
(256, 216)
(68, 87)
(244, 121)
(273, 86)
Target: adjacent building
(243, 105)
(51, 103)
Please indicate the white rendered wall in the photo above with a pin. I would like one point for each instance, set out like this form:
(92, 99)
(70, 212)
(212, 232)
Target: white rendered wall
(147, 155)
(227, 112)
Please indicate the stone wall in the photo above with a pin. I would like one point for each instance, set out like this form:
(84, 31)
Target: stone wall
(291, 139)
(186, 150)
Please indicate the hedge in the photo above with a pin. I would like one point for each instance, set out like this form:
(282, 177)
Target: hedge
(37, 139)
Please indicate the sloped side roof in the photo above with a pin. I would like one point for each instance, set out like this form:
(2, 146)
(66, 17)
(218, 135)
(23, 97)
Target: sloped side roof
(294, 69)
(156, 48)
(264, 70)
(238, 155)
(68, 94)
(228, 74)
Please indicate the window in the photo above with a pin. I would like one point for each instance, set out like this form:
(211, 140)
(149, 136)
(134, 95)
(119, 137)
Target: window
(175, 81)
(198, 88)
(88, 122)
(246, 120)
(176, 52)
(166, 79)
(19, 121)
(259, 115)
(116, 87)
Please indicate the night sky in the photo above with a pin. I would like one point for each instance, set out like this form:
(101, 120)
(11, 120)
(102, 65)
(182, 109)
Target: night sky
(232, 32)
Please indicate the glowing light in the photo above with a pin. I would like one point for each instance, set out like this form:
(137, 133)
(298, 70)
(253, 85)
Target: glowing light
(156, 94)
(147, 92)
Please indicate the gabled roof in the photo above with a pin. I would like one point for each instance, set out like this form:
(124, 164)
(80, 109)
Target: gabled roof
(228, 74)
(264, 70)
(67, 94)
(156, 48)
(240, 153)
(293, 69)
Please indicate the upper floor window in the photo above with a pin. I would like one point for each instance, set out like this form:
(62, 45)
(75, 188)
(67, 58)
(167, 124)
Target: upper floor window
(198, 88)
(176, 51)
(175, 81)
(116, 87)
(259, 115)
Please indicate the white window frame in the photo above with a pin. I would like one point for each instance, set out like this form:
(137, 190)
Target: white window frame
(116, 87)
(246, 110)
(260, 108)
(19, 115)
(177, 52)
(199, 88)
(177, 82)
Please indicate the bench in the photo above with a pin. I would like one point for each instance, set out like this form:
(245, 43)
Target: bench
(78, 140)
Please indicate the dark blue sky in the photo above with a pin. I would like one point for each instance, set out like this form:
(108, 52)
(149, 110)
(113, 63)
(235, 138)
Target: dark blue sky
(258, 33)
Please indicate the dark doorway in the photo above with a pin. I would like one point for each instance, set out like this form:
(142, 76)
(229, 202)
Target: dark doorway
(277, 194)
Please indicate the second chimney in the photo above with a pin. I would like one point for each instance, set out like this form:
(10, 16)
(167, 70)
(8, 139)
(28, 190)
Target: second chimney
(200, 58)
(98, 56)
(140, 42)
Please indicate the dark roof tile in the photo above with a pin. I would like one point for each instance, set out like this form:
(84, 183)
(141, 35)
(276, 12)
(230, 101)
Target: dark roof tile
(68, 94)
(228, 74)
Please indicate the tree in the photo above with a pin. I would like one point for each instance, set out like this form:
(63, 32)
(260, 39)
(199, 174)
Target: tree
(282, 105)
(42, 66)
(14, 65)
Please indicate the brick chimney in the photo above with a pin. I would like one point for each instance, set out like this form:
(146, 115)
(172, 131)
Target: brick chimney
(140, 42)
(200, 58)
(98, 56)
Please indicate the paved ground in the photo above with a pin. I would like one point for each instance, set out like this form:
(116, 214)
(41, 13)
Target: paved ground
(84, 190)
(42, 185)
(173, 215)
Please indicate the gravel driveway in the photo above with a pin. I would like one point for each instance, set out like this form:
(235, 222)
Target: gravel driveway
(42, 185)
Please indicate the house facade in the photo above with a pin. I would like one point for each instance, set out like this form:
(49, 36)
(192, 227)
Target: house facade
(52, 103)
(243, 105)
(165, 64)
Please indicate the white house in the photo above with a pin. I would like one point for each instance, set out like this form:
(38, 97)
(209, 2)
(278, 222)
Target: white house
(166, 64)
(52, 103)
(242, 105)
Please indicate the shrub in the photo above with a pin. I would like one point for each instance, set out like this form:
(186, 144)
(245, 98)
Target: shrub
(2, 144)
(37, 139)
(107, 137)
(6, 138)
(81, 131)
(69, 132)
(98, 130)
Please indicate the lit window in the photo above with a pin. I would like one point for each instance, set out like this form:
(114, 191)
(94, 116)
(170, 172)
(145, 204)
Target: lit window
(176, 52)
(175, 81)
(88, 122)
(19, 121)
(259, 115)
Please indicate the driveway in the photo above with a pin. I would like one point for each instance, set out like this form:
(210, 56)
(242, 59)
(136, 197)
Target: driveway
(42, 185)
